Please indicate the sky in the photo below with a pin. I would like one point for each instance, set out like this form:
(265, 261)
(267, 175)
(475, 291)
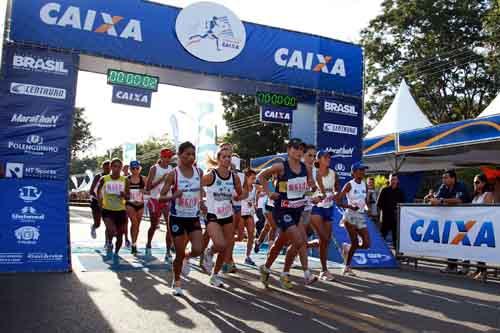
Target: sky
(115, 124)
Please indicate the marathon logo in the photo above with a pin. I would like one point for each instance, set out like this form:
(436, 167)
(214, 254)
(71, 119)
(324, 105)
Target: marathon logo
(38, 64)
(53, 13)
(38, 91)
(341, 129)
(309, 61)
(340, 108)
(39, 120)
(341, 152)
(454, 233)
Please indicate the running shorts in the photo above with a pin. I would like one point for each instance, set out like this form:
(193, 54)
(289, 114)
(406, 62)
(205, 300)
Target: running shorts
(355, 219)
(325, 213)
(155, 208)
(118, 217)
(183, 225)
(285, 218)
(212, 218)
(306, 217)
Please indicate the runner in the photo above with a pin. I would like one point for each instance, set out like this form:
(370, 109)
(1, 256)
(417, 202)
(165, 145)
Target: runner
(229, 265)
(247, 213)
(261, 218)
(354, 218)
(293, 179)
(221, 185)
(111, 193)
(184, 184)
(154, 183)
(94, 203)
(270, 228)
(309, 158)
(321, 215)
(135, 204)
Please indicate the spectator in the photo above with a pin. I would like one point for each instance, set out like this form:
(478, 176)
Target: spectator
(451, 192)
(388, 200)
(482, 196)
(372, 196)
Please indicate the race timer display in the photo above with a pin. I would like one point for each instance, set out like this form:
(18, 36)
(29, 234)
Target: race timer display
(135, 80)
(277, 100)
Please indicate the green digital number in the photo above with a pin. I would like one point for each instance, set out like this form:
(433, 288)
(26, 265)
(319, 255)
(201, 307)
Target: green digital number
(278, 100)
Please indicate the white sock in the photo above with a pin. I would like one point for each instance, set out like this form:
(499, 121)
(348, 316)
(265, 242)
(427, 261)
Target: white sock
(307, 274)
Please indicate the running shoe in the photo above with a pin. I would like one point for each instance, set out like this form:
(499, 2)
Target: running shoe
(348, 271)
(264, 275)
(168, 258)
(207, 263)
(309, 278)
(256, 247)
(186, 267)
(233, 268)
(285, 282)
(226, 268)
(148, 252)
(109, 247)
(177, 291)
(127, 244)
(216, 281)
(249, 261)
(133, 249)
(93, 232)
(326, 276)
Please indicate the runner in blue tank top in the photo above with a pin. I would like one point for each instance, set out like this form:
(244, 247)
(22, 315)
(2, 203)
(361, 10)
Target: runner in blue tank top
(293, 179)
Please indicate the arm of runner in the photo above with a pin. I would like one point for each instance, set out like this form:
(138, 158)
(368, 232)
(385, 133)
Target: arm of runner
(169, 182)
(207, 179)
(95, 181)
(241, 193)
(203, 206)
(126, 194)
(342, 194)
(99, 191)
(264, 175)
(310, 179)
(149, 179)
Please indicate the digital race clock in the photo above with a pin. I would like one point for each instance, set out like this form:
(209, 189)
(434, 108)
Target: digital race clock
(278, 100)
(142, 81)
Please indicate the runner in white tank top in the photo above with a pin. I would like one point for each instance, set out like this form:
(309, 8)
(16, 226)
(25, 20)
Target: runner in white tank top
(354, 218)
(183, 189)
(321, 215)
(248, 212)
(154, 185)
(220, 185)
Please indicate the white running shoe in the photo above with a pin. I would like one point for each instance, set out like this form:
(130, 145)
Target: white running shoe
(207, 264)
(177, 291)
(93, 232)
(326, 276)
(348, 271)
(216, 281)
(310, 279)
(186, 267)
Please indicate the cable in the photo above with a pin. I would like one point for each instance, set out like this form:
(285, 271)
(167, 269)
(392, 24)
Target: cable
(235, 122)
(245, 123)
(245, 126)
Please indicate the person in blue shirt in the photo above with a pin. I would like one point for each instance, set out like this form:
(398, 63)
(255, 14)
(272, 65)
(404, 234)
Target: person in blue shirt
(451, 192)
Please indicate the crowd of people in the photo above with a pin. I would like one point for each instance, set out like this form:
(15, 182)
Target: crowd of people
(207, 212)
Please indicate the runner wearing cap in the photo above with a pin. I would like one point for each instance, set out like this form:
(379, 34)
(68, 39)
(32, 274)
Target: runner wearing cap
(94, 203)
(293, 179)
(222, 186)
(354, 218)
(112, 194)
(321, 215)
(154, 184)
(135, 203)
(183, 189)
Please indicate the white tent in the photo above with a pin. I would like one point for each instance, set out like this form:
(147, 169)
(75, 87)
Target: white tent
(492, 109)
(403, 115)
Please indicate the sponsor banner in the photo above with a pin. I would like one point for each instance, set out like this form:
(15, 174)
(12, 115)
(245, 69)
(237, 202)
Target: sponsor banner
(34, 228)
(269, 114)
(379, 145)
(377, 256)
(131, 96)
(202, 38)
(460, 232)
(340, 128)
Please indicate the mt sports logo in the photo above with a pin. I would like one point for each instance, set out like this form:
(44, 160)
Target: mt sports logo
(470, 233)
(90, 20)
(210, 32)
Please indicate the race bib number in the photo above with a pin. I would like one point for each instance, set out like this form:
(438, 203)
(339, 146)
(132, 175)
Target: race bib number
(224, 211)
(136, 195)
(114, 188)
(296, 188)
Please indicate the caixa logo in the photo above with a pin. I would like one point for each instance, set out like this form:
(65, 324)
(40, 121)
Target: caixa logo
(454, 232)
(53, 13)
(308, 61)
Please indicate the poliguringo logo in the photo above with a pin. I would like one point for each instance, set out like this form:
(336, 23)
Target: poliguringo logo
(210, 32)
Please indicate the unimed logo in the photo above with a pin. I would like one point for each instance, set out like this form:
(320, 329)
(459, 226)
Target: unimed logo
(453, 232)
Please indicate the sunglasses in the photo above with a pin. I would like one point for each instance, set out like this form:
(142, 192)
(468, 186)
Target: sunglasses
(477, 182)
(135, 168)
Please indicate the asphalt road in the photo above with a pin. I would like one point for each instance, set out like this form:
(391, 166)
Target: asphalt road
(134, 296)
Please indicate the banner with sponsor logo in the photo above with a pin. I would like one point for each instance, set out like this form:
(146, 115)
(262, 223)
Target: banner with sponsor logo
(271, 114)
(34, 228)
(131, 96)
(37, 94)
(377, 256)
(458, 232)
(37, 97)
(340, 129)
(202, 38)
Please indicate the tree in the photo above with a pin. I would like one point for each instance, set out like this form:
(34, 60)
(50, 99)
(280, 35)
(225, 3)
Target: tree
(249, 136)
(81, 138)
(441, 48)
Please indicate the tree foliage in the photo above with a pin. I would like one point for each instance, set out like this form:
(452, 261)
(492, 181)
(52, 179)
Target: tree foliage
(250, 137)
(81, 138)
(446, 50)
